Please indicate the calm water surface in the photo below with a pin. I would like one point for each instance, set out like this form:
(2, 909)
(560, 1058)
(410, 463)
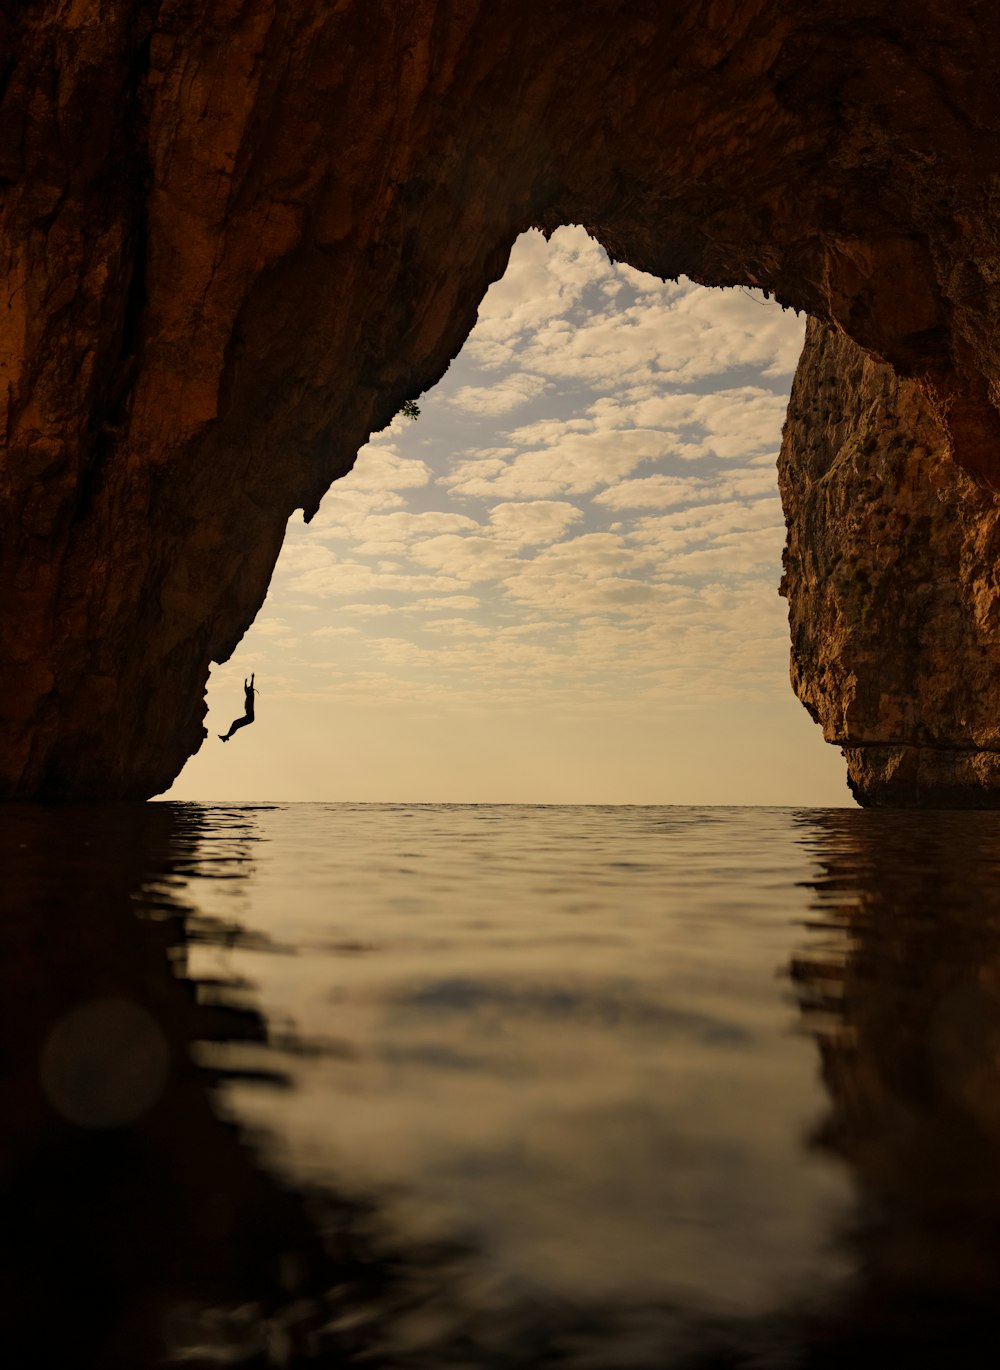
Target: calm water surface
(399, 1085)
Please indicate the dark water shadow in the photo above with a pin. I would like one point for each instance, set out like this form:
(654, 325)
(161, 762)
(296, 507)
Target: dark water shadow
(126, 1203)
(139, 1229)
(898, 982)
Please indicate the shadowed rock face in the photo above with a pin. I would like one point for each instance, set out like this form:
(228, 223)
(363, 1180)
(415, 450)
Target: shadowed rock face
(236, 234)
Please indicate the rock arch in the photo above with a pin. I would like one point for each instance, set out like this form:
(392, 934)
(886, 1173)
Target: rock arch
(238, 234)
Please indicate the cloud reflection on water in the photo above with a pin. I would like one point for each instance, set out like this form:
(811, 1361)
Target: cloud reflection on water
(124, 1244)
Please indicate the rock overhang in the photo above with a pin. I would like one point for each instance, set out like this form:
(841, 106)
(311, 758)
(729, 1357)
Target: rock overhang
(238, 236)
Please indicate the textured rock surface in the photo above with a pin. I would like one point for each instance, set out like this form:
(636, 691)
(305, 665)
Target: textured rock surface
(892, 572)
(236, 234)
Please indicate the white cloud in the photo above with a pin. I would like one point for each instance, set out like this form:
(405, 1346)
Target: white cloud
(728, 424)
(362, 610)
(740, 328)
(458, 627)
(316, 570)
(379, 535)
(704, 521)
(533, 521)
(653, 492)
(500, 397)
(669, 492)
(548, 432)
(467, 560)
(590, 573)
(439, 603)
(380, 466)
(575, 465)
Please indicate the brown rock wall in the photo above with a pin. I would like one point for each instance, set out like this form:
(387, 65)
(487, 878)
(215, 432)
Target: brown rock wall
(236, 234)
(892, 573)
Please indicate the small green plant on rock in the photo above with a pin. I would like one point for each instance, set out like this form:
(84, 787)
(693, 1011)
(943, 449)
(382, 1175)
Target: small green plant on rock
(410, 409)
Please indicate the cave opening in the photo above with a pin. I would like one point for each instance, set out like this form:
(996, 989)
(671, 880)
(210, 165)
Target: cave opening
(560, 583)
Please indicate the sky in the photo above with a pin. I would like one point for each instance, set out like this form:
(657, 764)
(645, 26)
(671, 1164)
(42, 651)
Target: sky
(558, 584)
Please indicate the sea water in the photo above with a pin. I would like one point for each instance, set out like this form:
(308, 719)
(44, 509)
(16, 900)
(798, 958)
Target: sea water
(494, 1085)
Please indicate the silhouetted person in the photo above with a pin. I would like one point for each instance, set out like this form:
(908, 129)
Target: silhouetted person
(249, 692)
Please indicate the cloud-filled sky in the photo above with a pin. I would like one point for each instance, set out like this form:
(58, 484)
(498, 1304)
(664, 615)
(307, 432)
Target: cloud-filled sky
(559, 584)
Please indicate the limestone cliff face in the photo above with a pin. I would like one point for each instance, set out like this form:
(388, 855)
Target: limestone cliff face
(236, 234)
(892, 573)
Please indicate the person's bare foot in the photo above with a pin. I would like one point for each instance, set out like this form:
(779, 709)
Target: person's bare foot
(223, 739)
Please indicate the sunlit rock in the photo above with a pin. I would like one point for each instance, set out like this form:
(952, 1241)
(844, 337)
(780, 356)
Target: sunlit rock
(891, 573)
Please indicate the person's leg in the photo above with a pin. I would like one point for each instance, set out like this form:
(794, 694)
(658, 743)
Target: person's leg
(237, 723)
